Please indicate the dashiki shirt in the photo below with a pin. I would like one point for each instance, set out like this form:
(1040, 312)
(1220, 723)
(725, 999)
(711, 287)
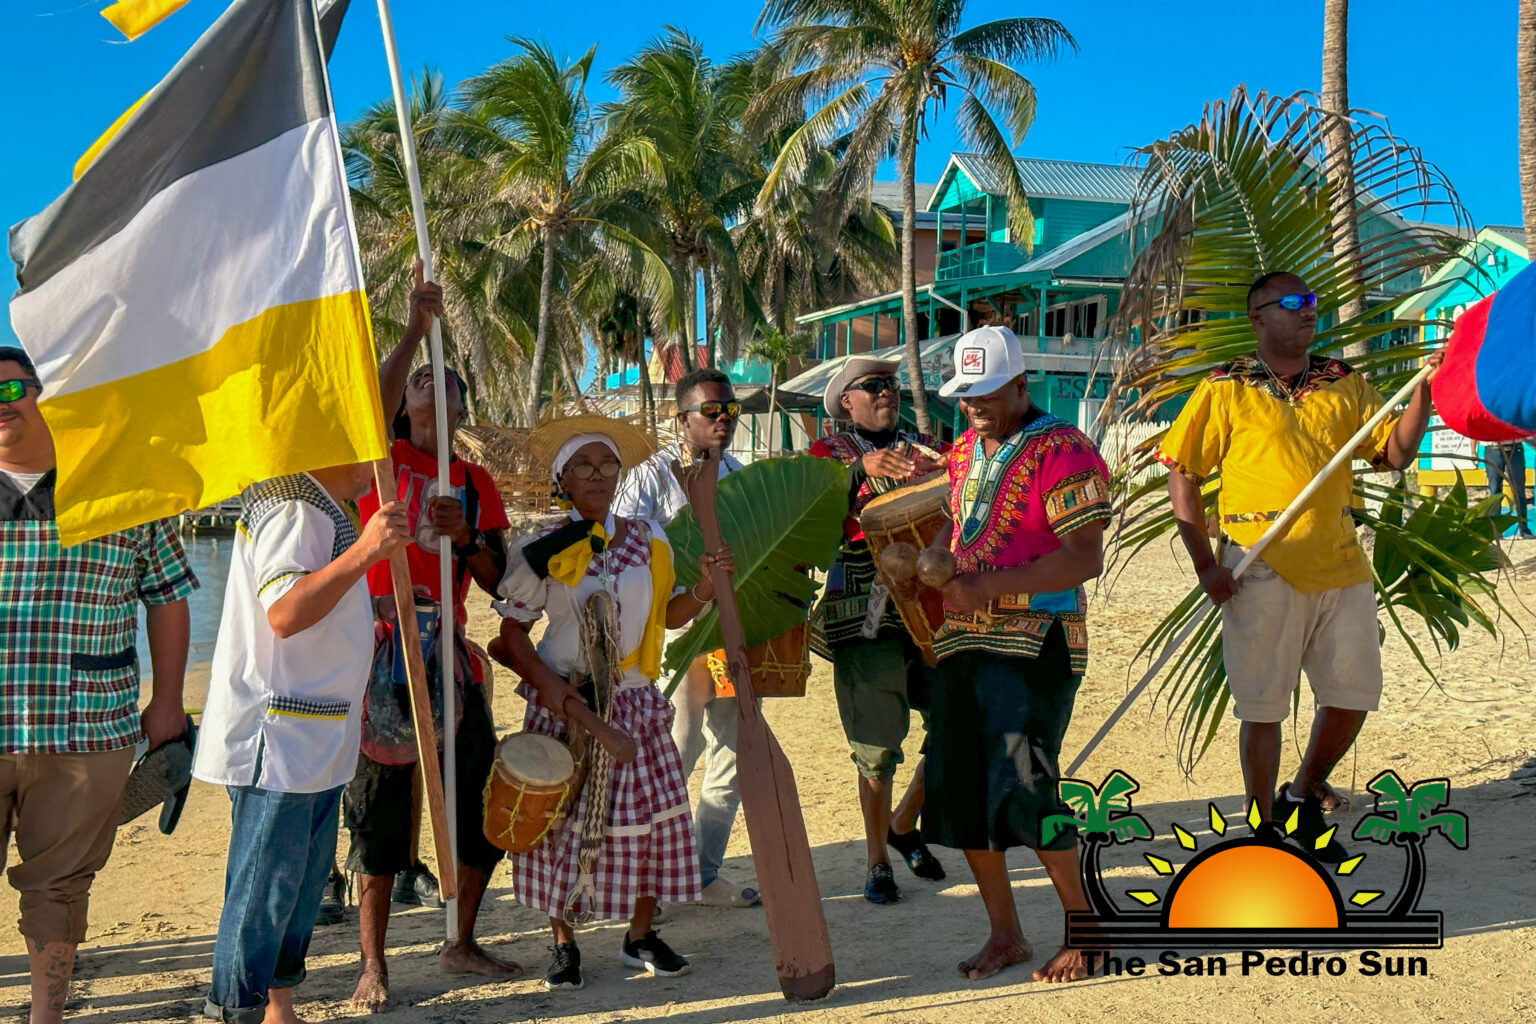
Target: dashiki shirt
(1268, 438)
(1045, 480)
(648, 848)
(842, 610)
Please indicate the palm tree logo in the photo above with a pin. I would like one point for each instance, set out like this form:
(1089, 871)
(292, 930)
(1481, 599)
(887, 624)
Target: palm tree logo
(1253, 890)
(1405, 815)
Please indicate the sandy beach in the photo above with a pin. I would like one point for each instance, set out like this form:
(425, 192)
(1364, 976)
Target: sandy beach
(156, 905)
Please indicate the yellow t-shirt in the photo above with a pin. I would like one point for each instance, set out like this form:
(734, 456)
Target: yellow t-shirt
(1268, 445)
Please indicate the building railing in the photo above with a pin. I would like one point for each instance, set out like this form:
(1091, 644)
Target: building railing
(970, 261)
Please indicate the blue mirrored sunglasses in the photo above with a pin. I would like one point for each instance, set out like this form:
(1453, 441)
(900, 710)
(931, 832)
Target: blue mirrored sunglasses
(1292, 302)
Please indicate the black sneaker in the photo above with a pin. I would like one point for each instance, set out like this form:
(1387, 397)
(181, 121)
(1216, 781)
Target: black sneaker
(333, 900)
(652, 955)
(916, 853)
(880, 886)
(1310, 825)
(416, 887)
(564, 968)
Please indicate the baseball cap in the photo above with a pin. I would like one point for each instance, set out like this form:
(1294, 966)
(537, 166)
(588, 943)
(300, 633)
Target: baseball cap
(985, 360)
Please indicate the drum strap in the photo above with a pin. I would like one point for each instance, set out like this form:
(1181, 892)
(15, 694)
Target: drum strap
(600, 639)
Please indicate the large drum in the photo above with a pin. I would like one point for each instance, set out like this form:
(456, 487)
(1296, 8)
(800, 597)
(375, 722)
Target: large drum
(531, 789)
(779, 667)
(915, 515)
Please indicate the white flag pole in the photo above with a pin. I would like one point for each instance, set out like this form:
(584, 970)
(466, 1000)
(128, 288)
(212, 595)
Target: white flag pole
(447, 605)
(1343, 456)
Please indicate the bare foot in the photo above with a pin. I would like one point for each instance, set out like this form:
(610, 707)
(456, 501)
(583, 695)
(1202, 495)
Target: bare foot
(372, 995)
(280, 1008)
(1067, 965)
(466, 957)
(1332, 799)
(999, 952)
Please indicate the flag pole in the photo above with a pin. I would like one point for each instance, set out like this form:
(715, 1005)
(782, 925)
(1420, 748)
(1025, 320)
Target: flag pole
(447, 605)
(1344, 455)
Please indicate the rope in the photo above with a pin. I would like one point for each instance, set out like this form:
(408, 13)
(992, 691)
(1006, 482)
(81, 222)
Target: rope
(600, 641)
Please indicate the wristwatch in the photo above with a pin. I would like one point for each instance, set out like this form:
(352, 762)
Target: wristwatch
(474, 547)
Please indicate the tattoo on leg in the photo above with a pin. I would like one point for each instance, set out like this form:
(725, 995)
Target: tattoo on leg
(56, 962)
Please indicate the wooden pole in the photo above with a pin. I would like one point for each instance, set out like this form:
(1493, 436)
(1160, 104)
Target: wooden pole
(447, 604)
(797, 928)
(416, 680)
(1342, 457)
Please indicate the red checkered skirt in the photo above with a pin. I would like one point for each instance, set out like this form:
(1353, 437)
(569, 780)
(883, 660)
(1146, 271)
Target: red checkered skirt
(649, 848)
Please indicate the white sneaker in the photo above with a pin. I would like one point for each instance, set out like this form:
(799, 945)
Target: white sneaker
(724, 893)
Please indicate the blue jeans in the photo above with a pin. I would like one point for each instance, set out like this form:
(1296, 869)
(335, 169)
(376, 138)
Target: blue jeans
(705, 725)
(281, 847)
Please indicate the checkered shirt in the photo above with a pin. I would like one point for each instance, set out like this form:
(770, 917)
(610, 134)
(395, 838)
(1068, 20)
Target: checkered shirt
(649, 847)
(67, 625)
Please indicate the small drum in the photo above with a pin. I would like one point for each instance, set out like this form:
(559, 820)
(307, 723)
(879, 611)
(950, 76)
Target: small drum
(914, 514)
(779, 667)
(531, 789)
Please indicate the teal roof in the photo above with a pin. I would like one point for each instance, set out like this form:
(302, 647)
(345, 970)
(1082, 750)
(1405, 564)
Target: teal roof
(1049, 179)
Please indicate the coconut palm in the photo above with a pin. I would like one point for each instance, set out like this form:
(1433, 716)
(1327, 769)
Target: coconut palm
(1406, 815)
(878, 70)
(572, 186)
(1103, 817)
(674, 97)
(1340, 162)
(1525, 71)
(1253, 176)
(776, 348)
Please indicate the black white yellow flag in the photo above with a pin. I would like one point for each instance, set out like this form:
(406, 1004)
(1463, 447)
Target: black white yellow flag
(194, 302)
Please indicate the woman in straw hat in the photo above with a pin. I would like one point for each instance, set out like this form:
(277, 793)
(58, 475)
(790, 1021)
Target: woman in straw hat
(647, 852)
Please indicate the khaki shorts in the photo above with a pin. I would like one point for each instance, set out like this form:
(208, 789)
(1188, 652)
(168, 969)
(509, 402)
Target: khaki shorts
(1271, 633)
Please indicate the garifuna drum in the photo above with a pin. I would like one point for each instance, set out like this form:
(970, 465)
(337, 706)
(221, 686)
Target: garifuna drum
(912, 516)
(531, 788)
(779, 667)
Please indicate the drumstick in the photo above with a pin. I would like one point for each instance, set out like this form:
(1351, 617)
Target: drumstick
(617, 742)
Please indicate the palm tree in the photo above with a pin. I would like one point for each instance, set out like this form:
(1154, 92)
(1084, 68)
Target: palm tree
(878, 69)
(673, 96)
(1404, 817)
(568, 182)
(1525, 69)
(776, 349)
(1103, 817)
(1240, 193)
(1338, 146)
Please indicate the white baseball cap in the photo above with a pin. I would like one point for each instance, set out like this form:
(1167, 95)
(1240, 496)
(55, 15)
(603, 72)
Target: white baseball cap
(985, 360)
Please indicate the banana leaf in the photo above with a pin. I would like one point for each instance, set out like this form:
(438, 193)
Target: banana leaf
(780, 517)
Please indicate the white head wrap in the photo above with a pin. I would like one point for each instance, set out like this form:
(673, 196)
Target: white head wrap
(576, 444)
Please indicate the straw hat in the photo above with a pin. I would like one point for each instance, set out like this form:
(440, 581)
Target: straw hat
(633, 445)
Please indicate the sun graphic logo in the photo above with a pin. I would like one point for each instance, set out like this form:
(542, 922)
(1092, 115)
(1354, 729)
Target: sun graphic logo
(1254, 890)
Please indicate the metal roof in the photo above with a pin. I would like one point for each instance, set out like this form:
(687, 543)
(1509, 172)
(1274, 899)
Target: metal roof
(1513, 232)
(1054, 179)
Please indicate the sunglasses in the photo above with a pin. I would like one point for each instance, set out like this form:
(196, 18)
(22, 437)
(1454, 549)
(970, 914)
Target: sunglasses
(1292, 302)
(875, 386)
(714, 410)
(587, 471)
(16, 390)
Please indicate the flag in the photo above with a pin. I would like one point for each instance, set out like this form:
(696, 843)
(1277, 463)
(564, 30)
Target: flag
(135, 17)
(1486, 388)
(194, 302)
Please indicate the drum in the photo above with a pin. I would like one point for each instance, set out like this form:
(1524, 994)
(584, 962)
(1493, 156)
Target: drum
(531, 789)
(914, 514)
(779, 667)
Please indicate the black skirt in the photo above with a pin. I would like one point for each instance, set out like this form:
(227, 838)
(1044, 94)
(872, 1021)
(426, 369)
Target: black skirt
(994, 736)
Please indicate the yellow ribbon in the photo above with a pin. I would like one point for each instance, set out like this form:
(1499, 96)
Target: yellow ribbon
(647, 657)
(570, 565)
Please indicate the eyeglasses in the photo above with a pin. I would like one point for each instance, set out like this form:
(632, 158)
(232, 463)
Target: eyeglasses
(16, 390)
(1292, 302)
(714, 410)
(586, 471)
(875, 386)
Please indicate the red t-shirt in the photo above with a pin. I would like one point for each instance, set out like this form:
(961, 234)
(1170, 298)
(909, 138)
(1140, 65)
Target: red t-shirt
(415, 476)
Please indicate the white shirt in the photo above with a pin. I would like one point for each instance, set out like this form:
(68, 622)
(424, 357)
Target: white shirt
(24, 481)
(652, 491)
(286, 714)
(525, 597)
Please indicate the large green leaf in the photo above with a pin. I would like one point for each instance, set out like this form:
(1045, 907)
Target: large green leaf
(779, 516)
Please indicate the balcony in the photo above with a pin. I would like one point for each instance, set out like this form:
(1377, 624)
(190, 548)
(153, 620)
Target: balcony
(978, 259)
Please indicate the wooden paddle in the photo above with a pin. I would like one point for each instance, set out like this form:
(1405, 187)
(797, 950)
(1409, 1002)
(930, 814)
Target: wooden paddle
(797, 929)
(421, 704)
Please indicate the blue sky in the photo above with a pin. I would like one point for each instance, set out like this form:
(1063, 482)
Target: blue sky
(1144, 69)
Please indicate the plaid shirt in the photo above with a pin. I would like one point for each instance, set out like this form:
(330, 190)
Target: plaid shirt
(67, 625)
